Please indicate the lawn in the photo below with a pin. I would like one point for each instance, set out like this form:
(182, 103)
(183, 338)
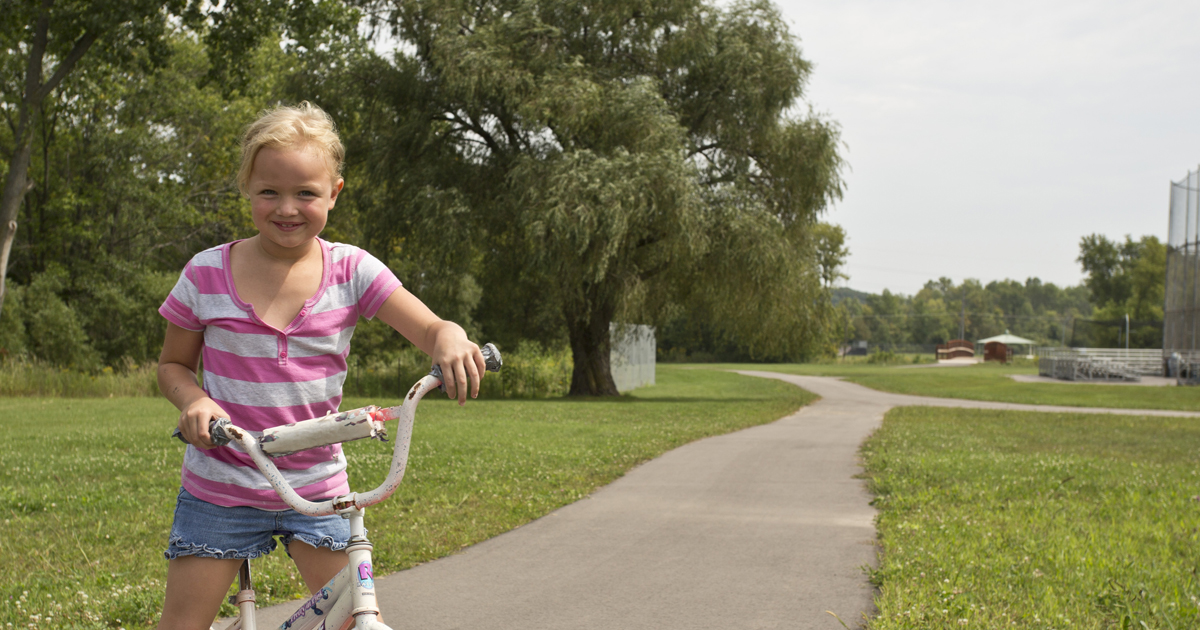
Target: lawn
(992, 519)
(991, 381)
(87, 486)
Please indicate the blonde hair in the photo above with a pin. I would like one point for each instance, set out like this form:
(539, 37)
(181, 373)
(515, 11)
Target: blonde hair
(299, 127)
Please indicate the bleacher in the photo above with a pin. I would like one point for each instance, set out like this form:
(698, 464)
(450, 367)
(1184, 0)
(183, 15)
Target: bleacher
(1099, 364)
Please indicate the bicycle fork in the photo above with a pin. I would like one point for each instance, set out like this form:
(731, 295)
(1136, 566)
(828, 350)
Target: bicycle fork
(332, 603)
(362, 575)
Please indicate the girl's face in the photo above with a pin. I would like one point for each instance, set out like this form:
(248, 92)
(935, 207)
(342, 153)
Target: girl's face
(291, 193)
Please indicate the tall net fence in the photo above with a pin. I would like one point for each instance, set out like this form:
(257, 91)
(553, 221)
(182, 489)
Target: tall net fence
(1115, 333)
(1181, 316)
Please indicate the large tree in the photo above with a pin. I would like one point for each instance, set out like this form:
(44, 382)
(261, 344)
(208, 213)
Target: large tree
(593, 162)
(44, 42)
(47, 42)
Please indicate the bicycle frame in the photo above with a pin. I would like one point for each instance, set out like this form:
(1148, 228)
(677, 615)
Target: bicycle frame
(350, 595)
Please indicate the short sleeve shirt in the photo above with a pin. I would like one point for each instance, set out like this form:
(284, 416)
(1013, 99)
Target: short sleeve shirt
(265, 377)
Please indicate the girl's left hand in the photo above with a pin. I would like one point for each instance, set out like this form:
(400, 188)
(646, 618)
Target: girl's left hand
(461, 363)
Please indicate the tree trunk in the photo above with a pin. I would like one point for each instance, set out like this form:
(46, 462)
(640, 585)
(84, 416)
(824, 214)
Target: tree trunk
(591, 343)
(16, 185)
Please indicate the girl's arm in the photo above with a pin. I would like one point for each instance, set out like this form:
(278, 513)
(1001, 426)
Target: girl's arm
(445, 342)
(177, 367)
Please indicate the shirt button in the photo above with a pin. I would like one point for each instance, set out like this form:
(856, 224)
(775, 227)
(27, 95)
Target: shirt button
(303, 312)
(283, 355)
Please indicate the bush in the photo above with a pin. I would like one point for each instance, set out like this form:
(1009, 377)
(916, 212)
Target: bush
(12, 327)
(883, 357)
(54, 332)
(24, 376)
(530, 371)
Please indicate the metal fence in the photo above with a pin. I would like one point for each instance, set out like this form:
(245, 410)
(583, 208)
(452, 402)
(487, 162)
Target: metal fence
(1181, 312)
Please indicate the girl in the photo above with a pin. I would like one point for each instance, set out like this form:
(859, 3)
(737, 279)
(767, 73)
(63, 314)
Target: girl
(271, 316)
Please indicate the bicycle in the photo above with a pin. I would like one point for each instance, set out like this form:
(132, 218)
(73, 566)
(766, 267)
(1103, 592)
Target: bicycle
(349, 598)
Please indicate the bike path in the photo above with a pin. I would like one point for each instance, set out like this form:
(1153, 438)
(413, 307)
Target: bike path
(767, 527)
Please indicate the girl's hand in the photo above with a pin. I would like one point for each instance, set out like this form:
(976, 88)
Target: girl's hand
(460, 360)
(194, 420)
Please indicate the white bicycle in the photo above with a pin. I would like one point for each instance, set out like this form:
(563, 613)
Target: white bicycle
(349, 598)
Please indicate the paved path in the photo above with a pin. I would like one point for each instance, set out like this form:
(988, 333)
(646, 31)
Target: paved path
(762, 528)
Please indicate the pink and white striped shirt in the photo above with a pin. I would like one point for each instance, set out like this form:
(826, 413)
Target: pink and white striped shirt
(265, 377)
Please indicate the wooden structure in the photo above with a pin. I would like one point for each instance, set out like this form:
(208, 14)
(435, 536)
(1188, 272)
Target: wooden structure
(955, 349)
(996, 351)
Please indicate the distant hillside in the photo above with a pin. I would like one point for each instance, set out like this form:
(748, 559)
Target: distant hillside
(846, 293)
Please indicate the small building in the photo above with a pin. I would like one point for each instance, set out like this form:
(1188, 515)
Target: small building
(999, 348)
(996, 351)
(856, 349)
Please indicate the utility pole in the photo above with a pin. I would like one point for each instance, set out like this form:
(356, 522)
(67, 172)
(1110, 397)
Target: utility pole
(962, 321)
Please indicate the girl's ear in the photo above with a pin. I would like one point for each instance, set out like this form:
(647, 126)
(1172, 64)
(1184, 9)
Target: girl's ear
(337, 188)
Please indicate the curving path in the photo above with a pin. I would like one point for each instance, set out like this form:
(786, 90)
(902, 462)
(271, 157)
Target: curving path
(764, 528)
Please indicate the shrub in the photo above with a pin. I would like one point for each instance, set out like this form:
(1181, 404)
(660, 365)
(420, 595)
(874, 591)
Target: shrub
(25, 376)
(882, 357)
(54, 332)
(530, 371)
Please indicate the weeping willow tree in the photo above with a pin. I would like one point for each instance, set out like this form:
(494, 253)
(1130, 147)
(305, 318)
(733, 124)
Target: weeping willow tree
(561, 165)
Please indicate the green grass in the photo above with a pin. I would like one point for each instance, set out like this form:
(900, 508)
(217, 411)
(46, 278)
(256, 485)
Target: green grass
(993, 519)
(87, 486)
(992, 381)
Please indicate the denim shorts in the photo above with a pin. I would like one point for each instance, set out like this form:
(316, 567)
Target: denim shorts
(213, 531)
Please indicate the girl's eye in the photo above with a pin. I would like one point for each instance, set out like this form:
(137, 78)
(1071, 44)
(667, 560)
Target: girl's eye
(267, 191)
(307, 193)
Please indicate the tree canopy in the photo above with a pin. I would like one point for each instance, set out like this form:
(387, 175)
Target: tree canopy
(943, 310)
(1126, 280)
(533, 170)
(594, 162)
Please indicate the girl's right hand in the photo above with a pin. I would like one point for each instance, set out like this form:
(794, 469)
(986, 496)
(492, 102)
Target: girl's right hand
(194, 421)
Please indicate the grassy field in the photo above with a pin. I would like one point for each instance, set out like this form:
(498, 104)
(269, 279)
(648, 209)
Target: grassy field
(1003, 519)
(87, 486)
(991, 381)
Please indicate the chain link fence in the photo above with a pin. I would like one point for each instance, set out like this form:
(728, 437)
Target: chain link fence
(1181, 312)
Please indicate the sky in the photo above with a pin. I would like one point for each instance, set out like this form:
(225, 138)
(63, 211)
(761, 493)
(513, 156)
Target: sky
(984, 140)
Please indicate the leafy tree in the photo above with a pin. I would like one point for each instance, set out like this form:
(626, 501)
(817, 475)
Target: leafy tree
(932, 320)
(890, 315)
(133, 172)
(830, 241)
(132, 157)
(51, 37)
(587, 162)
(1126, 279)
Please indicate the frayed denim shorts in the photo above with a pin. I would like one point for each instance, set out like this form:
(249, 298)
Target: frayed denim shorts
(213, 531)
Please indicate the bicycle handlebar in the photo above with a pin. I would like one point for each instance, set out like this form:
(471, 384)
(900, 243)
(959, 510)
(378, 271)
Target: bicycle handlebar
(365, 422)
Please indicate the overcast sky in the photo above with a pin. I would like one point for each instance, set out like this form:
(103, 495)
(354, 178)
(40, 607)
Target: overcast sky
(985, 139)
